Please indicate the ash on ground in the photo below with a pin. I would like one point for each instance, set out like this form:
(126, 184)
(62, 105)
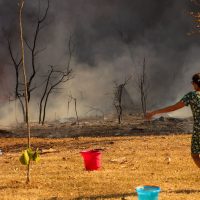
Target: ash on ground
(131, 125)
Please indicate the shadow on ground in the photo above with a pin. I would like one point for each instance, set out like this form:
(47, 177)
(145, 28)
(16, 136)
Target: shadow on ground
(123, 196)
(98, 197)
(184, 191)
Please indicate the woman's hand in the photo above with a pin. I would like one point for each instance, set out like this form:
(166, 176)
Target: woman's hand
(174, 107)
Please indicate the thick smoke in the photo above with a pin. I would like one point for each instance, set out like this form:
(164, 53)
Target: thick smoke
(111, 39)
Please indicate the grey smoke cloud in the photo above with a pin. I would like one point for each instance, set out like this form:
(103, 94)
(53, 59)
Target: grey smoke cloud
(112, 38)
(160, 26)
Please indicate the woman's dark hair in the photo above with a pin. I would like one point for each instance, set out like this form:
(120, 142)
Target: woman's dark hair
(196, 79)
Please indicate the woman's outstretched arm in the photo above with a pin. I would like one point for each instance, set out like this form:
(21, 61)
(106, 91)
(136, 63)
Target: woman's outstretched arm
(174, 107)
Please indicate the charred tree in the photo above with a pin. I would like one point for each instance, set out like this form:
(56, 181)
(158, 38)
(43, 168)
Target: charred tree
(54, 79)
(17, 64)
(143, 87)
(19, 86)
(117, 102)
(33, 49)
(44, 94)
(71, 98)
(61, 77)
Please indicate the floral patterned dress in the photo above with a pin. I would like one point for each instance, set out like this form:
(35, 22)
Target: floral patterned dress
(193, 99)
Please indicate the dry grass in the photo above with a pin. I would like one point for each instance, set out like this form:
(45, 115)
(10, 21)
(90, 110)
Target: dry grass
(127, 162)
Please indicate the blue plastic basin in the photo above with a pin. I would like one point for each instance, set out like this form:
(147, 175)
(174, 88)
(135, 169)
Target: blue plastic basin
(147, 192)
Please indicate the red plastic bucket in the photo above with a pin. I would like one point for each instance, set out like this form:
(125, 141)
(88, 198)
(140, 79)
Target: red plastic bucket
(92, 159)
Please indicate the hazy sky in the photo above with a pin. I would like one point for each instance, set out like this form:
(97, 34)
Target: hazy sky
(111, 39)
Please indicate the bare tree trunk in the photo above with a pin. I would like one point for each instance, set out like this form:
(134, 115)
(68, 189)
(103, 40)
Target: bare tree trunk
(16, 112)
(143, 88)
(25, 82)
(71, 98)
(43, 96)
(64, 77)
(23, 109)
(118, 92)
(77, 120)
(44, 108)
(119, 105)
(68, 104)
(116, 102)
(119, 113)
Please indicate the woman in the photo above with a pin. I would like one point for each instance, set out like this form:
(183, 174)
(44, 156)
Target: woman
(193, 99)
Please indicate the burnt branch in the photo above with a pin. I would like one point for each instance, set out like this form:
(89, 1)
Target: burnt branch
(19, 93)
(33, 50)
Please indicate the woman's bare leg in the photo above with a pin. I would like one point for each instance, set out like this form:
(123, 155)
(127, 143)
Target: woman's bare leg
(196, 159)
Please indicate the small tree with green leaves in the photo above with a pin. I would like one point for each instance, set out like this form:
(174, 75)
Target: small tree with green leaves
(28, 154)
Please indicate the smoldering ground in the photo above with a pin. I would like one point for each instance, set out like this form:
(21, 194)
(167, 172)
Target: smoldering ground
(111, 39)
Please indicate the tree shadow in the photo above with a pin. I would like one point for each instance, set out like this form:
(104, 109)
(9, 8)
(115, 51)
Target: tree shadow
(13, 148)
(76, 143)
(131, 194)
(185, 191)
(97, 197)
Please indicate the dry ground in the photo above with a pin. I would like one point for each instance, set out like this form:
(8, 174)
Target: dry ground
(127, 162)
